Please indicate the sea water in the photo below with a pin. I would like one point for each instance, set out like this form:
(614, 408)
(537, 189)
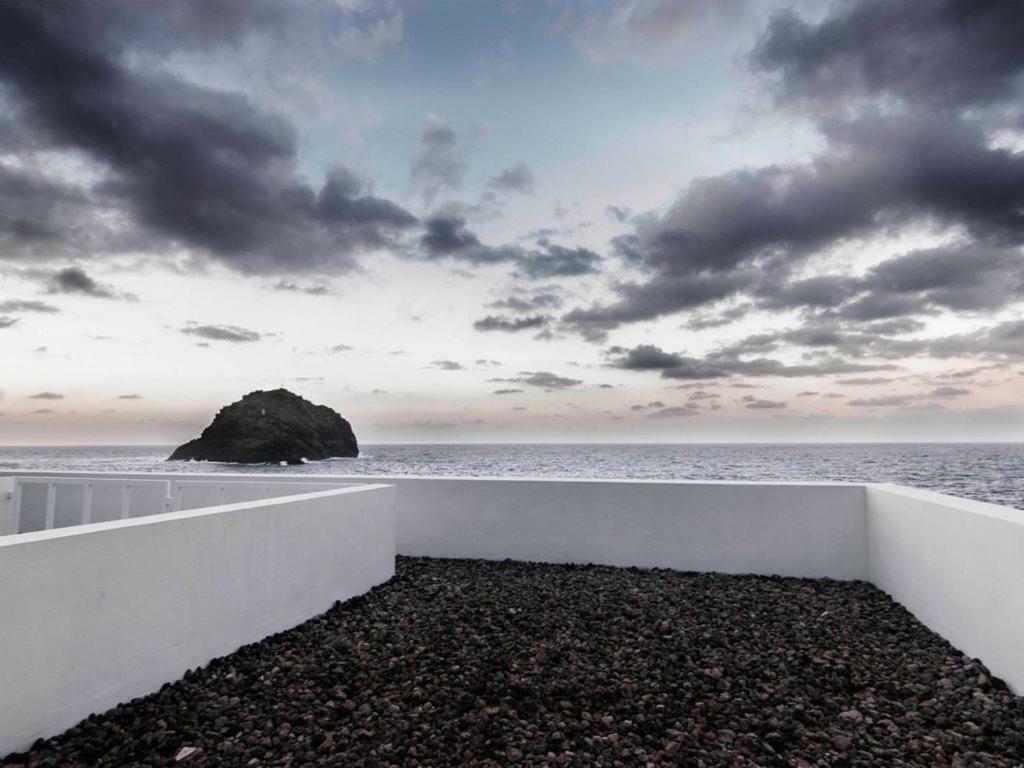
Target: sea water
(992, 472)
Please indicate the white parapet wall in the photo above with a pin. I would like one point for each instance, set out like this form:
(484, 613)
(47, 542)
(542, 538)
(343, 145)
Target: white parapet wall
(792, 529)
(95, 615)
(957, 565)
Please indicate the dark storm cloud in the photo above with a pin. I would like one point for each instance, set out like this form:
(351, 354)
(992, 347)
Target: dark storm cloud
(755, 344)
(815, 292)
(743, 231)
(186, 165)
(27, 305)
(762, 405)
(894, 327)
(345, 201)
(940, 54)
(531, 302)
(883, 306)
(7, 322)
(969, 373)
(956, 277)
(919, 89)
(548, 380)
(647, 357)
(43, 218)
(835, 333)
(759, 367)
(890, 401)
(76, 281)
(1004, 340)
(865, 381)
(815, 336)
(557, 261)
(947, 391)
(963, 277)
(448, 237)
(129, 397)
(703, 321)
(659, 296)
(542, 379)
(447, 365)
(673, 412)
(311, 290)
(701, 394)
(511, 324)
(516, 178)
(511, 391)
(46, 396)
(230, 333)
(652, 404)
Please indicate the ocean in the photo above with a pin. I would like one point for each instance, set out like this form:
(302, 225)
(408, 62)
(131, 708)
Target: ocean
(992, 472)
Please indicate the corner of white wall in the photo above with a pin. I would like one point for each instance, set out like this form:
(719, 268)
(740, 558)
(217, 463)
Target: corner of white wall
(958, 566)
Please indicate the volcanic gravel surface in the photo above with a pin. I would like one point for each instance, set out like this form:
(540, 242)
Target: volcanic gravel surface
(458, 662)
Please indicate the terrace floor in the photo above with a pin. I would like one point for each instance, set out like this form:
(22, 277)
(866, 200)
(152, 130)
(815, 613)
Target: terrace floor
(458, 662)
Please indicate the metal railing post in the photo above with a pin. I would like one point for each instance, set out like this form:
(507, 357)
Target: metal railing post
(16, 510)
(87, 504)
(51, 504)
(125, 500)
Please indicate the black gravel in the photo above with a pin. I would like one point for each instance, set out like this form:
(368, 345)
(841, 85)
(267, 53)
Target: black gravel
(458, 662)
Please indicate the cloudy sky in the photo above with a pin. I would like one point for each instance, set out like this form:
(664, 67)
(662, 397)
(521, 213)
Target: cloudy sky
(565, 220)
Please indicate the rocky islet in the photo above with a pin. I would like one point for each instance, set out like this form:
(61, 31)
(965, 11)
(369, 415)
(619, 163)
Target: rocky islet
(271, 427)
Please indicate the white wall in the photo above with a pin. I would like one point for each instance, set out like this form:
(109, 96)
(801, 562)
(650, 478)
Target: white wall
(811, 530)
(98, 614)
(958, 566)
(792, 529)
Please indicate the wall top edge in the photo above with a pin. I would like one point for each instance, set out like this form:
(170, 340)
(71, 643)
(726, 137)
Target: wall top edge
(984, 508)
(71, 531)
(343, 478)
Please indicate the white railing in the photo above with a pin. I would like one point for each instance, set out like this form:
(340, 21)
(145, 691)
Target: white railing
(124, 490)
(95, 499)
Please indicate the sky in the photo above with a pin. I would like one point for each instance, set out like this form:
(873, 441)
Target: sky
(560, 220)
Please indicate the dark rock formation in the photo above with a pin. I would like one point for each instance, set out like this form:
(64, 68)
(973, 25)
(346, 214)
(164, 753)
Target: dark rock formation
(272, 426)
